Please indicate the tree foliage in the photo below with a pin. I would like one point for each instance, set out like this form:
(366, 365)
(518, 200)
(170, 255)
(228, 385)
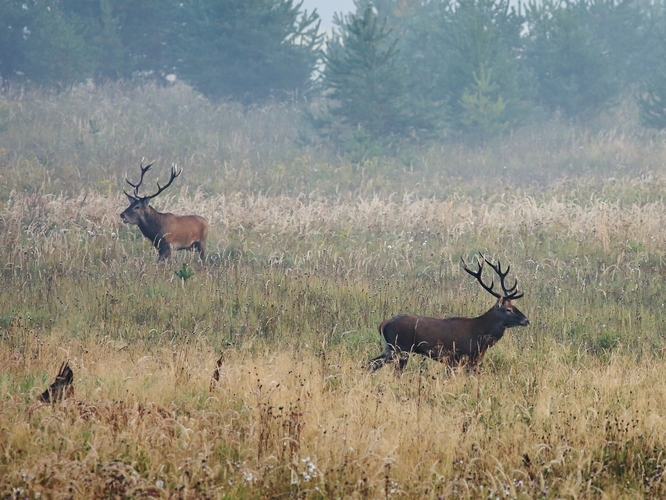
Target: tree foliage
(571, 65)
(475, 38)
(652, 90)
(43, 43)
(247, 49)
(362, 76)
(652, 101)
(393, 68)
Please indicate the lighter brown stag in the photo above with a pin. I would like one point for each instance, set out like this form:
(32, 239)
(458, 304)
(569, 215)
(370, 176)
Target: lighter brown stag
(166, 231)
(452, 340)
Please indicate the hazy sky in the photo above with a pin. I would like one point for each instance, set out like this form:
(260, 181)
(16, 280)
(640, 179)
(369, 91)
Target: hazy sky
(326, 8)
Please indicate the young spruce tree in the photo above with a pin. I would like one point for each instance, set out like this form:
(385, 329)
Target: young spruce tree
(368, 87)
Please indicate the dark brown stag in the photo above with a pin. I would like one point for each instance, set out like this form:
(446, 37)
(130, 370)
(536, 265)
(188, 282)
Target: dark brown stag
(166, 231)
(452, 340)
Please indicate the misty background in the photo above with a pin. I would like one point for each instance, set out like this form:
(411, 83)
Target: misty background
(387, 73)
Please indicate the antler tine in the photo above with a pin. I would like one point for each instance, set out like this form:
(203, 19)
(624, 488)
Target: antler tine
(143, 172)
(502, 275)
(510, 293)
(477, 275)
(174, 173)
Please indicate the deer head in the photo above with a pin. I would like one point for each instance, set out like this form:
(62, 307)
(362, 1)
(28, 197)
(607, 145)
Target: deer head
(504, 300)
(139, 204)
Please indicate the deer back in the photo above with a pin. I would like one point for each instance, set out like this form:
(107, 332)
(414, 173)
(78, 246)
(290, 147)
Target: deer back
(453, 337)
(181, 231)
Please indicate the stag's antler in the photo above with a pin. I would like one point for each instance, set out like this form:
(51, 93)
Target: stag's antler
(136, 186)
(174, 173)
(477, 275)
(509, 293)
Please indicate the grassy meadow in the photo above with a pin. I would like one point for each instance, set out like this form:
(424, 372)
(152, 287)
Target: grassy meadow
(308, 252)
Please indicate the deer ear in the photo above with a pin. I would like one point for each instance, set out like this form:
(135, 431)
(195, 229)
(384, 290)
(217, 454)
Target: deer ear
(501, 301)
(131, 198)
(144, 203)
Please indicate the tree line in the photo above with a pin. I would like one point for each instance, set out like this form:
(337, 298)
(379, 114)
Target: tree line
(407, 69)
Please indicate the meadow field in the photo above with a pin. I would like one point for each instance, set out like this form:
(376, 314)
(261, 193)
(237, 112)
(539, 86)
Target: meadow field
(308, 252)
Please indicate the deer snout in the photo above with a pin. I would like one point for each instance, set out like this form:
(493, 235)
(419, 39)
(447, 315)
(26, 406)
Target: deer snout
(525, 322)
(123, 217)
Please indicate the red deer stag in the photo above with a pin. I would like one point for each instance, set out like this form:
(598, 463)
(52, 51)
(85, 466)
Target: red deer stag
(452, 340)
(166, 231)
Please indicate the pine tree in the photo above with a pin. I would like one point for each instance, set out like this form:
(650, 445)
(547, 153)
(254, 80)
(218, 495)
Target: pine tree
(13, 19)
(249, 50)
(451, 47)
(652, 90)
(483, 115)
(56, 51)
(572, 64)
(478, 41)
(367, 85)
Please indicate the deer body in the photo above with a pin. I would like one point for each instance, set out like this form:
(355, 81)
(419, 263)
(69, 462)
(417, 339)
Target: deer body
(166, 231)
(450, 340)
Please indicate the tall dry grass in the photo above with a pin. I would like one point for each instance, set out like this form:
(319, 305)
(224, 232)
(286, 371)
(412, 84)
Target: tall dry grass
(294, 423)
(291, 298)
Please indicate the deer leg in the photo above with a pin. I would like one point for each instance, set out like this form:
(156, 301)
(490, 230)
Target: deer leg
(376, 363)
(164, 252)
(403, 357)
(201, 249)
(475, 361)
(474, 364)
(389, 354)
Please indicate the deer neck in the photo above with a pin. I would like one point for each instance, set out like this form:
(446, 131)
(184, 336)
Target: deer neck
(151, 224)
(492, 325)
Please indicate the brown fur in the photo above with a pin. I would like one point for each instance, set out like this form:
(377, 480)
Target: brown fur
(452, 340)
(166, 231)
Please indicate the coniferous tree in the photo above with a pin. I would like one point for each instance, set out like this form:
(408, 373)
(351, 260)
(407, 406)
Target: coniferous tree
(130, 37)
(464, 53)
(652, 101)
(40, 42)
(149, 31)
(14, 20)
(249, 50)
(624, 27)
(572, 65)
(366, 83)
(112, 61)
(483, 115)
(652, 90)
(56, 51)
(414, 24)
(479, 43)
